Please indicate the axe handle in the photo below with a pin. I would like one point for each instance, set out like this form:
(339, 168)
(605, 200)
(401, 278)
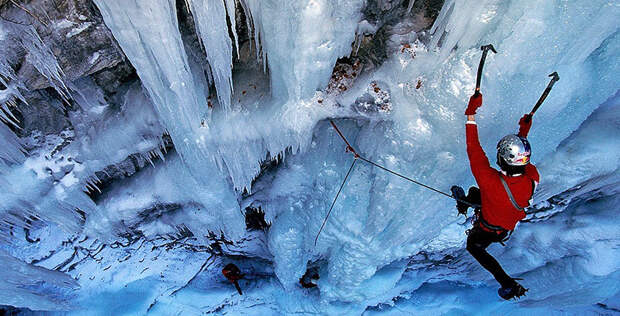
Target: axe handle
(238, 287)
(543, 96)
(480, 66)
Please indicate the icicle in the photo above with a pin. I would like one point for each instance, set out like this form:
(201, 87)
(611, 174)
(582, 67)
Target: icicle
(11, 150)
(248, 19)
(212, 27)
(106, 172)
(93, 184)
(150, 160)
(358, 43)
(6, 221)
(7, 117)
(160, 154)
(232, 17)
(8, 99)
(42, 58)
(23, 223)
(441, 22)
(254, 28)
(410, 6)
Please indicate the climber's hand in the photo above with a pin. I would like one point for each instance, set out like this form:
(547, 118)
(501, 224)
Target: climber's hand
(475, 101)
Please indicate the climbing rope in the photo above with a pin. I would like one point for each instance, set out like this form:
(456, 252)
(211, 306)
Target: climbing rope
(409, 179)
(334, 202)
(357, 156)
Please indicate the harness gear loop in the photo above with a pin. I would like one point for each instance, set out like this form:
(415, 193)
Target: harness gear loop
(478, 220)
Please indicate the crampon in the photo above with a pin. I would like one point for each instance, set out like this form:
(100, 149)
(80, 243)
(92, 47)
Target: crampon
(514, 291)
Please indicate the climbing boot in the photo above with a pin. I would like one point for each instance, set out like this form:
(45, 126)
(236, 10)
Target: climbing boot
(459, 194)
(514, 290)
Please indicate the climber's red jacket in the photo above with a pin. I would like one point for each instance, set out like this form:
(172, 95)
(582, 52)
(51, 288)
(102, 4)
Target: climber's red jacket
(496, 207)
(232, 273)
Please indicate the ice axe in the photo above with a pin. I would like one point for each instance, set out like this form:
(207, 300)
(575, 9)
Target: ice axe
(554, 77)
(485, 50)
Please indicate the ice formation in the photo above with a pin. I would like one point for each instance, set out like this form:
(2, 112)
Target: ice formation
(280, 28)
(211, 20)
(163, 175)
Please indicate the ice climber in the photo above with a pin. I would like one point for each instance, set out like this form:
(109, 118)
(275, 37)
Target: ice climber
(309, 279)
(233, 274)
(502, 195)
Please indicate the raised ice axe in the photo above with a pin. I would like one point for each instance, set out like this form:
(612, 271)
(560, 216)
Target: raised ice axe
(554, 77)
(485, 50)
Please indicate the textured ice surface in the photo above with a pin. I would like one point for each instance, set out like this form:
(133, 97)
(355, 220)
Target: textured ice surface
(598, 147)
(380, 218)
(300, 54)
(37, 288)
(388, 245)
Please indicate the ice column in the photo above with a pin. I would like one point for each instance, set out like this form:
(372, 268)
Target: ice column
(210, 17)
(149, 35)
(302, 40)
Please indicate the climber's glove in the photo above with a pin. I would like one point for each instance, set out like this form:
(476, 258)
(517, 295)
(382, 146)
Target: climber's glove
(525, 123)
(475, 101)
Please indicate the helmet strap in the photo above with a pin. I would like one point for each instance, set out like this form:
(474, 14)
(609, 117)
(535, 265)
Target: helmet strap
(510, 170)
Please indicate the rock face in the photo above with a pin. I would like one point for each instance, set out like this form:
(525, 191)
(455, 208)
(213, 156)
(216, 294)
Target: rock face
(74, 32)
(391, 19)
(76, 35)
(44, 112)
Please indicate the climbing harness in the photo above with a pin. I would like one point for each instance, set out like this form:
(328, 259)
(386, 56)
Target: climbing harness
(358, 156)
(478, 221)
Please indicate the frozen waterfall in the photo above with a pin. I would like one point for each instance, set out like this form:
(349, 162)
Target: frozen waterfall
(208, 142)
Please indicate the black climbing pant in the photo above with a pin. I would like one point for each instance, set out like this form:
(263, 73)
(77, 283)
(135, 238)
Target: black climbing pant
(477, 243)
